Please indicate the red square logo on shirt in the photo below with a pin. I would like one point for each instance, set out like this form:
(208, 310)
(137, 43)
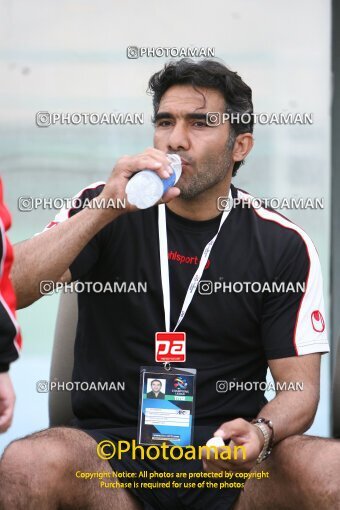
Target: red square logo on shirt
(170, 346)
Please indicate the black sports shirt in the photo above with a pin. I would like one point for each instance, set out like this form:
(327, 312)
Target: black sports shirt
(231, 335)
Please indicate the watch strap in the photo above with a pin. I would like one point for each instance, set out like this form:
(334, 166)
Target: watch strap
(266, 427)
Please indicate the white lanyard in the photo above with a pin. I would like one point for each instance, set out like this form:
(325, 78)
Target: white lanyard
(163, 253)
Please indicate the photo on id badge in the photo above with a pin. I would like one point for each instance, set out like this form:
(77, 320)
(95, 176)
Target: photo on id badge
(166, 406)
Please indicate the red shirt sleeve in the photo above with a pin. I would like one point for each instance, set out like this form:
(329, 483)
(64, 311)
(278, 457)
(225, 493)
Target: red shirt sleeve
(10, 335)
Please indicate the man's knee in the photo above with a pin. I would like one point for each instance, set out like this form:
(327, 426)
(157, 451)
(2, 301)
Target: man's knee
(311, 465)
(294, 451)
(11, 457)
(45, 456)
(308, 465)
(38, 468)
(33, 454)
(19, 475)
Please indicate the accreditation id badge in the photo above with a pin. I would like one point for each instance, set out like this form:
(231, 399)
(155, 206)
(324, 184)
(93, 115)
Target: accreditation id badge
(166, 405)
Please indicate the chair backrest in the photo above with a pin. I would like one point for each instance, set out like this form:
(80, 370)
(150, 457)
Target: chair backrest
(60, 409)
(336, 393)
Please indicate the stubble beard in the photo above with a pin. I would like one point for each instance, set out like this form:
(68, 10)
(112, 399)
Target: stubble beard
(211, 172)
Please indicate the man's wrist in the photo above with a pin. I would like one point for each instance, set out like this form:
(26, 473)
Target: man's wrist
(264, 427)
(260, 436)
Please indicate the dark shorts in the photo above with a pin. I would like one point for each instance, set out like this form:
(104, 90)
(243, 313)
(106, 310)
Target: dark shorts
(166, 498)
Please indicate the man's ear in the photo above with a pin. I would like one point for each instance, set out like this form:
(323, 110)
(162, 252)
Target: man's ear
(242, 146)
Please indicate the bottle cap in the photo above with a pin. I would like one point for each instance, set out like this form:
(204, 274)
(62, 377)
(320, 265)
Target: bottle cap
(176, 164)
(215, 441)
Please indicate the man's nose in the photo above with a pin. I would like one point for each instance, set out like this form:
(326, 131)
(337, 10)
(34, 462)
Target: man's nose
(179, 138)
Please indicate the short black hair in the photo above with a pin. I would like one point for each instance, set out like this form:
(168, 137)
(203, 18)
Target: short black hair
(156, 380)
(211, 74)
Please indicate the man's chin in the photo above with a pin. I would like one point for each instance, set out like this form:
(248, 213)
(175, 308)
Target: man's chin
(188, 191)
(188, 194)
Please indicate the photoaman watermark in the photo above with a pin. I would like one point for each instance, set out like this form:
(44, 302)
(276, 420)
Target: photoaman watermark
(107, 450)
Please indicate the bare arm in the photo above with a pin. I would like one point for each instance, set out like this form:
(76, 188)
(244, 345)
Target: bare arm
(7, 401)
(292, 412)
(48, 256)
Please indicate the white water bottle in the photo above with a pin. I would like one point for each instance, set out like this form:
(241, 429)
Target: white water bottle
(146, 188)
